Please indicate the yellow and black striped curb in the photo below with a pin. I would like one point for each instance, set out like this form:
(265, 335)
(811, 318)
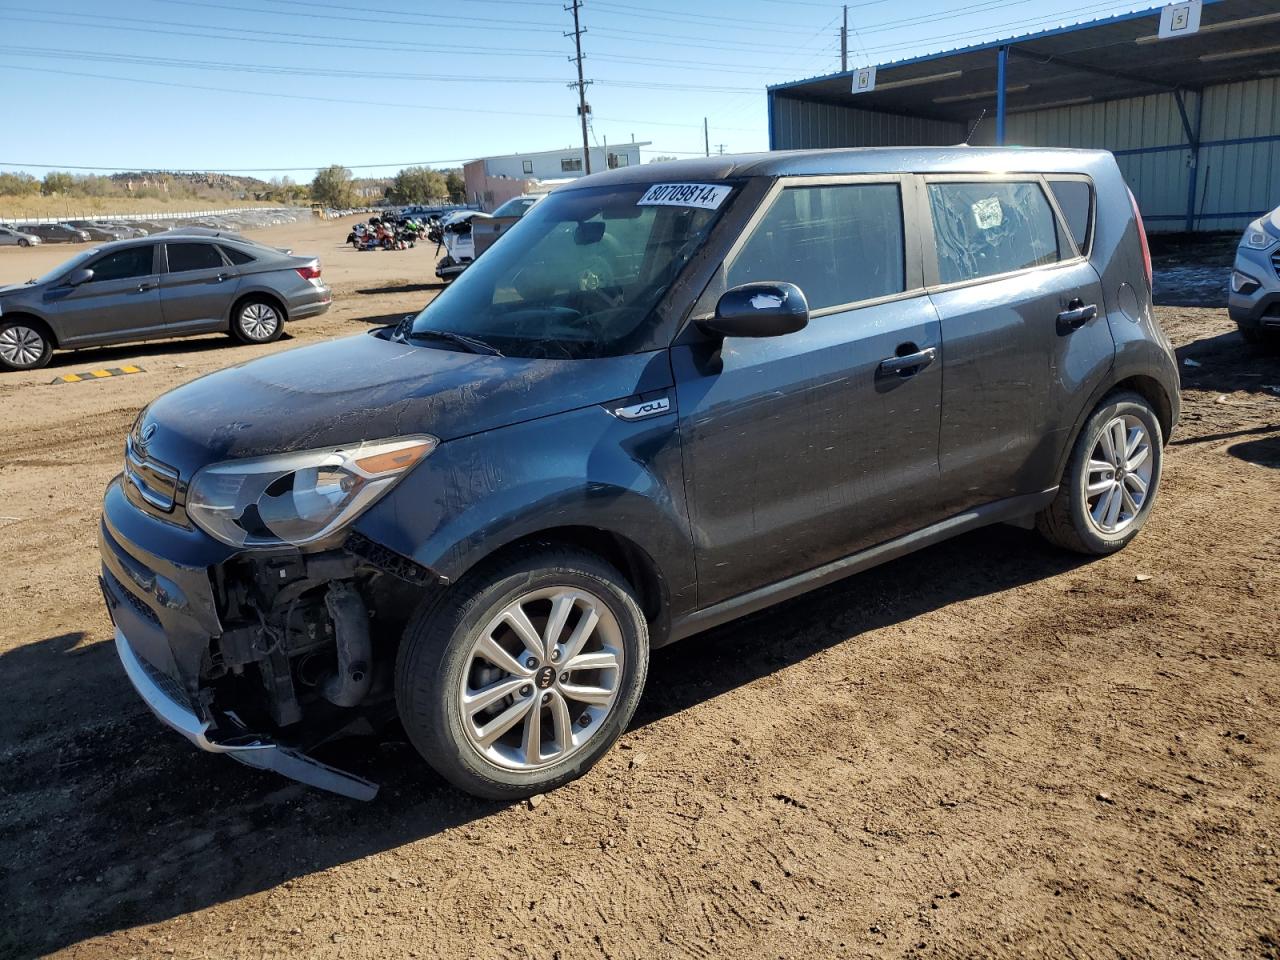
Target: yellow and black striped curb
(97, 374)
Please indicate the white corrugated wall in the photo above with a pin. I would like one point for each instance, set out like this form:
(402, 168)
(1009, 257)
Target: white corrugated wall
(804, 125)
(1234, 182)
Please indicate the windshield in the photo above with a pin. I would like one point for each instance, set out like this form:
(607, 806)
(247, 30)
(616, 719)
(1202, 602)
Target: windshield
(76, 261)
(579, 275)
(515, 207)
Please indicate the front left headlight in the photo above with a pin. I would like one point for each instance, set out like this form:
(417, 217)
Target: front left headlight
(301, 497)
(1256, 238)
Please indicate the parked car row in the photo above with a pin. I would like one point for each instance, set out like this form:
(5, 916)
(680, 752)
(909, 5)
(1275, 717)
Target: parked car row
(88, 231)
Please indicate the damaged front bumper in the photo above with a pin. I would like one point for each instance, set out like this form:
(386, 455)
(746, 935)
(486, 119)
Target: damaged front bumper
(157, 692)
(165, 617)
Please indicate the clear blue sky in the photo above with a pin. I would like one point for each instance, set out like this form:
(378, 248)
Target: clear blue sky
(304, 83)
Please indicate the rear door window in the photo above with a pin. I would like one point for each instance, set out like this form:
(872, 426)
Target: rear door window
(987, 228)
(193, 256)
(123, 264)
(1075, 200)
(839, 244)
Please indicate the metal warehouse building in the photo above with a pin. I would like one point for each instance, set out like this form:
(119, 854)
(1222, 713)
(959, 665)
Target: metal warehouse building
(1194, 119)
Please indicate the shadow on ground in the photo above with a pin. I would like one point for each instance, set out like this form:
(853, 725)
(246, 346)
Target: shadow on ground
(109, 821)
(95, 358)
(1226, 363)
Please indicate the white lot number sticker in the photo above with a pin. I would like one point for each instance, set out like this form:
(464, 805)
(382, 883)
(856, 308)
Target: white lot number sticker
(988, 213)
(706, 196)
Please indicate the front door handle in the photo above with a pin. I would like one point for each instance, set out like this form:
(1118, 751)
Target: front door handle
(908, 364)
(1077, 314)
(221, 277)
(144, 287)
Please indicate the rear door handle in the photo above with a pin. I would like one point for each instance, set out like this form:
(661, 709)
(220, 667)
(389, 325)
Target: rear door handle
(908, 365)
(1077, 314)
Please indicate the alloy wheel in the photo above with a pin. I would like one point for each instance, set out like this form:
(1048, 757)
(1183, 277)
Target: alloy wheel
(259, 321)
(21, 346)
(1118, 477)
(541, 678)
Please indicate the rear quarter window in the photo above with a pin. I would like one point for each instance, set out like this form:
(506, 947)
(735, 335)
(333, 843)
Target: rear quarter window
(238, 257)
(1075, 200)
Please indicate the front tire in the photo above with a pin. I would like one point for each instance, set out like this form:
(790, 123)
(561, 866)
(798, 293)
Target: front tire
(1111, 479)
(521, 677)
(24, 345)
(257, 321)
(24, 243)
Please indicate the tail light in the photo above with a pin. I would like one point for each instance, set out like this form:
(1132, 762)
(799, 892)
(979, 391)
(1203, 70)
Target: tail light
(310, 272)
(1142, 239)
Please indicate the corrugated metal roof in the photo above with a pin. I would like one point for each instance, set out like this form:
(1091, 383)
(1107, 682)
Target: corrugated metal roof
(1107, 59)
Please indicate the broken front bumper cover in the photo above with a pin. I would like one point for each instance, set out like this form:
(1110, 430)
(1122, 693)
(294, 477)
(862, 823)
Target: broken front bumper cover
(157, 692)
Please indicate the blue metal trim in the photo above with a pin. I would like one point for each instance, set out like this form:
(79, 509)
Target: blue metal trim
(769, 101)
(1251, 214)
(1002, 65)
(1194, 177)
(1167, 147)
(1186, 121)
(988, 45)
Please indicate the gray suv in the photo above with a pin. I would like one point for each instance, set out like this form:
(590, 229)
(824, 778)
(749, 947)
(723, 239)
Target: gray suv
(669, 396)
(1254, 300)
(171, 286)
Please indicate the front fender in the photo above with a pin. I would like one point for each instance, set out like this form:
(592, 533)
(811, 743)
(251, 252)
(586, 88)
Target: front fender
(585, 468)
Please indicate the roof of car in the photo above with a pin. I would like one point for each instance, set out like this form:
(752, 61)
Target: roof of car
(853, 160)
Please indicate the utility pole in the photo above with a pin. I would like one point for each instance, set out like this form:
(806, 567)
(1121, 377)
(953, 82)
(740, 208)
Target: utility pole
(583, 109)
(844, 42)
(706, 137)
(720, 148)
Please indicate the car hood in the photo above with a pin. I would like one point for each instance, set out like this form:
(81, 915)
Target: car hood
(366, 388)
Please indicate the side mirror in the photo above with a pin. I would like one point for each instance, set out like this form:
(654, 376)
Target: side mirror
(759, 310)
(77, 277)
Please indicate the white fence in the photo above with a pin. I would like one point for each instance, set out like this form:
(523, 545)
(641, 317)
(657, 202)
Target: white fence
(167, 215)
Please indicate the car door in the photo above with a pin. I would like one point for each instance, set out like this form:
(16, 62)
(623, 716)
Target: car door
(1024, 341)
(197, 287)
(121, 301)
(804, 448)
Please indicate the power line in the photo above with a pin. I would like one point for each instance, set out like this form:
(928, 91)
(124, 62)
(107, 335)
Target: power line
(437, 22)
(318, 99)
(329, 41)
(54, 53)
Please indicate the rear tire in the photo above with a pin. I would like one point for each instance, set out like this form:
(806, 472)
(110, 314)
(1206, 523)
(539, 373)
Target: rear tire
(24, 345)
(1111, 479)
(560, 719)
(256, 320)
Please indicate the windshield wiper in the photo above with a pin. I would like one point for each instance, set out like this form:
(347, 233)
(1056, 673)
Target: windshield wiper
(472, 344)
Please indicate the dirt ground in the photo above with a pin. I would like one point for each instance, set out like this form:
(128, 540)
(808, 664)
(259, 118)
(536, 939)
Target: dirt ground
(989, 748)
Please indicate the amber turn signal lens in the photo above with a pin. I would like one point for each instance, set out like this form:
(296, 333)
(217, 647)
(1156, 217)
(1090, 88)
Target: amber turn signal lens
(394, 460)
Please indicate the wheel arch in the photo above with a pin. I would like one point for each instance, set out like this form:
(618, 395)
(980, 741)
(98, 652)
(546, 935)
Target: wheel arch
(1151, 390)
(257, 294)
(631, 560)
(35, 321)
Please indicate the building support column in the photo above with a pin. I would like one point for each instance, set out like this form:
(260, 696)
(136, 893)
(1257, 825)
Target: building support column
(1002, 63)
(1193, 138)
